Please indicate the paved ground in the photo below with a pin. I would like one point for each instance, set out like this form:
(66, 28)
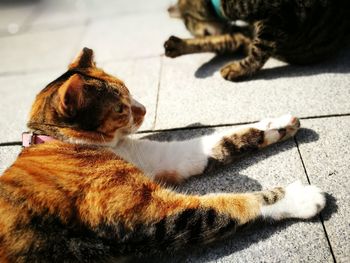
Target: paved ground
(38, 39)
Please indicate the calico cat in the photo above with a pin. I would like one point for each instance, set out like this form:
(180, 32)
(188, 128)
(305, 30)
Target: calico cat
(295, 31)
(92, 194)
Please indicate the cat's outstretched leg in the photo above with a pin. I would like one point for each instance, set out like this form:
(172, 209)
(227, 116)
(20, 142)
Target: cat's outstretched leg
(250, 138)
(173, 162)
(147, 218)
(228, 43)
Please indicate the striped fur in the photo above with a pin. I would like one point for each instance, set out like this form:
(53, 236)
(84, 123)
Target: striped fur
(93, 206)
(299, 32)
(88, 197)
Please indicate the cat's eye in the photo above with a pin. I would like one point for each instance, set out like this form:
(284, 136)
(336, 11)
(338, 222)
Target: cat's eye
(118, 108)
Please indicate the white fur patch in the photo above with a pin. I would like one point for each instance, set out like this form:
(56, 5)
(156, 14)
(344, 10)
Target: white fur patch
(186, 158)
(283, 121)
(189, 157)
(300, 201)
(271, 127)
(272, 136)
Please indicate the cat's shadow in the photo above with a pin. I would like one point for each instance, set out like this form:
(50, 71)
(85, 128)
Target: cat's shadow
(339, 63)
(232, 179)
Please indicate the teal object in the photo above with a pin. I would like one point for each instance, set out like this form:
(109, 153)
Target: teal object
(217, 7)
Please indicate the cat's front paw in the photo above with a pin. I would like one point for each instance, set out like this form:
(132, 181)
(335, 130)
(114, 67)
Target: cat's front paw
(303, 201)
(279, 129)
(174, 47)
(300, 201)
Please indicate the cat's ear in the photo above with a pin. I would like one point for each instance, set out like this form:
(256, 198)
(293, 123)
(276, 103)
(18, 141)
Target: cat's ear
(71, 96)
(85, 59)
(174, 11)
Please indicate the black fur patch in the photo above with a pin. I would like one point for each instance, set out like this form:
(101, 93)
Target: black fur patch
(55, 241)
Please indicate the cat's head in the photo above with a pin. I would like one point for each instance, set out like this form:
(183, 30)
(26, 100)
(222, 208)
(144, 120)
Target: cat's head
(199, 16)
(86, 105)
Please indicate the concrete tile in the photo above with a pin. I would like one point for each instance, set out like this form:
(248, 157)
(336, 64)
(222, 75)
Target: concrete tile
(132, 36)
(141, 76)
(120, 8)
(327, 164)
(39, 50)
(52, 13)
(14, 16)
(8, 155)
(17, 96)
(290, 241)
(191, 92)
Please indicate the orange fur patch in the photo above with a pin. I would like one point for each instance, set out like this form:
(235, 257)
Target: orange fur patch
(242, 207)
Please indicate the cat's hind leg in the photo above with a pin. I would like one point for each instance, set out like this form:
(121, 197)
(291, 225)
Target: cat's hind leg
(261, 48)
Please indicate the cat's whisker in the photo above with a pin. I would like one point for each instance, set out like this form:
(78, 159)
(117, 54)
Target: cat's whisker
(103, 139)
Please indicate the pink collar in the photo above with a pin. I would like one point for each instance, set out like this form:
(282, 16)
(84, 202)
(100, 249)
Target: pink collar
(29, 139)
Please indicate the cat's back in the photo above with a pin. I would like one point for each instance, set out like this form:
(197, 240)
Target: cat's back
(55, 174)
(40, 195)
(58, 165)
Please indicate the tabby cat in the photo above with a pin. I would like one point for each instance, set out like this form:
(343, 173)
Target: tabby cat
(92, 194)
(295, 31)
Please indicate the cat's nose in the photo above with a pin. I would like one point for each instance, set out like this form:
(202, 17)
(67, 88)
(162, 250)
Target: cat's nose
(141, 111)
(137, 108)
(206, 32)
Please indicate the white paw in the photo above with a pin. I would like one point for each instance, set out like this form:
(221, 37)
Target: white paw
(282, 122)
(300, 201)
(280, 128)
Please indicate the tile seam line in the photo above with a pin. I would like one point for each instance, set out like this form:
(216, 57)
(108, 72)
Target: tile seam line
(15, 143)
(158, 91)
(240, 123)
(325, 116)
(319, 216)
